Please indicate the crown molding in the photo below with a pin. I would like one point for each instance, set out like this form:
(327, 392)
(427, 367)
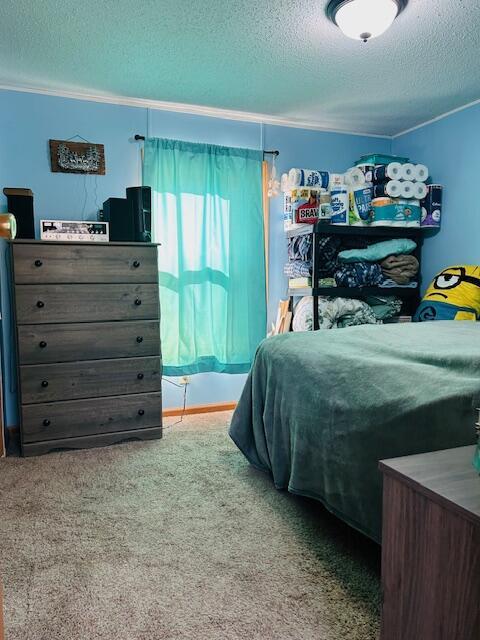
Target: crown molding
(437, 118)
(179, 107)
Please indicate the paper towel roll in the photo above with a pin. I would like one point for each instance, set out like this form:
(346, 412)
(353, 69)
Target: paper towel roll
(421, 173)
(392, 188)
(386, 171)
(407, 171)
(419, 190)
(354, 177)
(308, 178)
(407, 189)
(284, 184)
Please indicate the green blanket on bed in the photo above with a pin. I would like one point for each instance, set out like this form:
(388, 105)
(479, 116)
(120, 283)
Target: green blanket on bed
(320, 409)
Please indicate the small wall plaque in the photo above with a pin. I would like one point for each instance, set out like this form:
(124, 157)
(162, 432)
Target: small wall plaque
(77, 157)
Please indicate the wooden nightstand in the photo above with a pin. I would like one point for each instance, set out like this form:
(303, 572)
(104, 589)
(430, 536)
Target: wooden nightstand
(431, 547)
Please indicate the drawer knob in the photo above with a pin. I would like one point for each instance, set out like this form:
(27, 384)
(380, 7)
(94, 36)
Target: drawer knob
(40, 304)
(38, 263)
(139, 339)
(138, 302)
(42, 344)
(136, 264)
(141, 412)
(44, 383)
(46, 422)
(140, 376)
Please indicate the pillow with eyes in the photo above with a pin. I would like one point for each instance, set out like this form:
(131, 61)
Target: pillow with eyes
(454, 294)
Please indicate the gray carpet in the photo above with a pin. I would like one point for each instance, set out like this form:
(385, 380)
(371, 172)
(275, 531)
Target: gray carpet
(175, 539)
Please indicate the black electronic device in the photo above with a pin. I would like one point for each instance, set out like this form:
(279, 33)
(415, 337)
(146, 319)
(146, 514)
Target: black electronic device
(130, 218)
(141, 204)
(20, 204)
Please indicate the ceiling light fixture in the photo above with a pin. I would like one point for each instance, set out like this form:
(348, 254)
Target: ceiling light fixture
(364, 19)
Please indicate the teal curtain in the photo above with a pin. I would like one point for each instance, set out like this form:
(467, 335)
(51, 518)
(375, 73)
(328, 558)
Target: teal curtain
(207, 215)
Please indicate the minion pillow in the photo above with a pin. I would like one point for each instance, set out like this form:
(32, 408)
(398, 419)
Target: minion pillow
(454, 294)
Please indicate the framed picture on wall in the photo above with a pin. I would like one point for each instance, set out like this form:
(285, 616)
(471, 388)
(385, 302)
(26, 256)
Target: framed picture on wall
(77, 157)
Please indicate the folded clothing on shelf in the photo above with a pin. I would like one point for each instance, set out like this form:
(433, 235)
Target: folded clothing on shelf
(300, 247)
(384, 307)
(359, 274)
(330, 313)
(401, 268)
(378, 251)
(388, 283)
(327, 255)
(298, 268)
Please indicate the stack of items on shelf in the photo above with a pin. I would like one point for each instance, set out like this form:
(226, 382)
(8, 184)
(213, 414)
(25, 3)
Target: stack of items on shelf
(299, 265)
(383, 264)
(378, 191)
(338, 313)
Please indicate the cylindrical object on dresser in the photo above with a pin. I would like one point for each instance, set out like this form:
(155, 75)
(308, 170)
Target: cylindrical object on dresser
(389, 171)
(407, 189)
(392, 188)
(421, 173)
(432, 207)
(407, 171)
(420, 190)
(310, 178)
(339, 204)
(8, 226)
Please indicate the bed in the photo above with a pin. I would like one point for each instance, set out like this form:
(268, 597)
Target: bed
(320, 409)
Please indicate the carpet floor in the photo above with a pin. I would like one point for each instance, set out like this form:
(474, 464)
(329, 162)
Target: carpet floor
(175, 539)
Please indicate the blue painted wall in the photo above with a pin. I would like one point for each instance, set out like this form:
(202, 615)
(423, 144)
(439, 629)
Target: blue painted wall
(450, 148)
(28, 121)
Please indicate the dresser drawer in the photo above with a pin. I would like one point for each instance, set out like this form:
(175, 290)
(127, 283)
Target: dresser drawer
(76, 418)
(44, 343)
(89, 379)
(43, 263)
(85, 302)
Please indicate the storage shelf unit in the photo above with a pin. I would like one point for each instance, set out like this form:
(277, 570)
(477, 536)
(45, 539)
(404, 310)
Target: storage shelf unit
(409, 295)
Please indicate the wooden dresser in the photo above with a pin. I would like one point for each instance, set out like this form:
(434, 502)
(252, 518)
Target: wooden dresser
(88, 343)
(431, 547)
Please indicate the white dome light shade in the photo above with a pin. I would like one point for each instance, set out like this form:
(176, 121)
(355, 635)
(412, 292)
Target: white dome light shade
(365, 19)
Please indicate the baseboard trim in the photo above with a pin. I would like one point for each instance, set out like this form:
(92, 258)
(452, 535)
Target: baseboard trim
(199, 408)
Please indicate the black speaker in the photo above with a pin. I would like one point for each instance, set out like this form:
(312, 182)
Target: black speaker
(130, 219)
(118, 213)
(20, 203)
(140, 199)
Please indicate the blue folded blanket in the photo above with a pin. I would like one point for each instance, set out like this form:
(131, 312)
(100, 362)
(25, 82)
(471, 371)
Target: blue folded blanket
(378, 251)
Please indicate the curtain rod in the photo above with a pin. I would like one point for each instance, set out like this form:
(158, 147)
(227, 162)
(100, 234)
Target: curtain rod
(265, 153)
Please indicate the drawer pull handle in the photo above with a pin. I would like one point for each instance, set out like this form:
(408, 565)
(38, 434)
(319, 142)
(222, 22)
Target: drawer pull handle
(44, 383)
(46, 422)
(38, 263)
(141, 412)
(140, 376)
(136, 264)
(138, 302)
(139, 339)
(42, 344)
(40, 304)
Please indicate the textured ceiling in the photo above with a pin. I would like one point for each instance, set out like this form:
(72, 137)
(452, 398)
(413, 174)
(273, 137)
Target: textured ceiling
(282, 58)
